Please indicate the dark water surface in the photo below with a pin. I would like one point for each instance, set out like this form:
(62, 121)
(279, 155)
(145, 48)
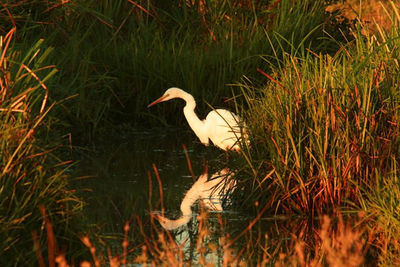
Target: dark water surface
(118, 171)
(120, 184)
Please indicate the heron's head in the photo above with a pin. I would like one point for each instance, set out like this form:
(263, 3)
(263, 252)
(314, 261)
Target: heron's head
(168, 224)
(168, 95)
(162, 220)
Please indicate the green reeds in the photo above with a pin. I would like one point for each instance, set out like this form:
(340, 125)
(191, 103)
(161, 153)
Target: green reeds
(119, 55)
(325, 129)
(30, 174)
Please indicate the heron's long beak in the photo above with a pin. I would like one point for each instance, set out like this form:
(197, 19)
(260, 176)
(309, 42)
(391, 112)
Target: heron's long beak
(161, 99)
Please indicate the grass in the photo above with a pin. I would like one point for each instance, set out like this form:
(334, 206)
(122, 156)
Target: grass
(333, 243)
(326, 129)
(31, 174)
(322, 105)
(119, 55)
(337, 122)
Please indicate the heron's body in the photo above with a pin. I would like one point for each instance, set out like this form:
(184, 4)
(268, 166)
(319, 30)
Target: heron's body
(220, 126)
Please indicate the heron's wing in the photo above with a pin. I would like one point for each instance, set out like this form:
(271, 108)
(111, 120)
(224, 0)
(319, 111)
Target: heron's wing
(224, 128)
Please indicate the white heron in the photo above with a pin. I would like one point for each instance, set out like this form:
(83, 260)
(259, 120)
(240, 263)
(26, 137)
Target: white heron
(220, 126)
(211, 192)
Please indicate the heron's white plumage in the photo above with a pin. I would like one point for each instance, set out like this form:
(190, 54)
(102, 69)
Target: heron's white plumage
(220, 126)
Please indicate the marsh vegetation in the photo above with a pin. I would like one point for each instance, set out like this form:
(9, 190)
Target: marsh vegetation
(318, 186)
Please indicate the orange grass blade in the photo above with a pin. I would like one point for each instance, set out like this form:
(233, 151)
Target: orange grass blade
(273, 80)
(63, 2)
(51, 240)
(42, 84)
(150, 190)
(8, 40)
(86, 241)
(141, 8)
(161, 201)
(36, 246)
(9, 15)
(125, 243)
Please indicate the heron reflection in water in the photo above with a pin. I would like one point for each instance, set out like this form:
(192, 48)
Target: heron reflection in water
(210, 191)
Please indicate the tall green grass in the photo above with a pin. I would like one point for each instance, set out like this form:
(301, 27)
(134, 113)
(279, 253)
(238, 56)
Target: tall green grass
(31, 175)
(119, 55)
(325, 132)
(327, 124)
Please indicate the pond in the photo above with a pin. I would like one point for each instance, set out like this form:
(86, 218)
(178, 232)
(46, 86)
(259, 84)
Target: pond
(119, 183)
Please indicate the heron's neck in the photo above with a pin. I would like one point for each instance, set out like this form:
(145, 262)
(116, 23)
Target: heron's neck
(189, 99)
(194, 121)
(191, 196)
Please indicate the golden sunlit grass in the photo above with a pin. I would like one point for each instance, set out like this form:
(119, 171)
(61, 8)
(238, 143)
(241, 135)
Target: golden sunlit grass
(160, 250)
(29, 175)
(327, 125)
(328, 133)
(335, 244)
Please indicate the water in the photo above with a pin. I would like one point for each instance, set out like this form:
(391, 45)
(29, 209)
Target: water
(120, 185)
(119, 171)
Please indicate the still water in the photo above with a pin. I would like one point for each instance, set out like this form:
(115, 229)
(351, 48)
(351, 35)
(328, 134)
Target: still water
(119, 183)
